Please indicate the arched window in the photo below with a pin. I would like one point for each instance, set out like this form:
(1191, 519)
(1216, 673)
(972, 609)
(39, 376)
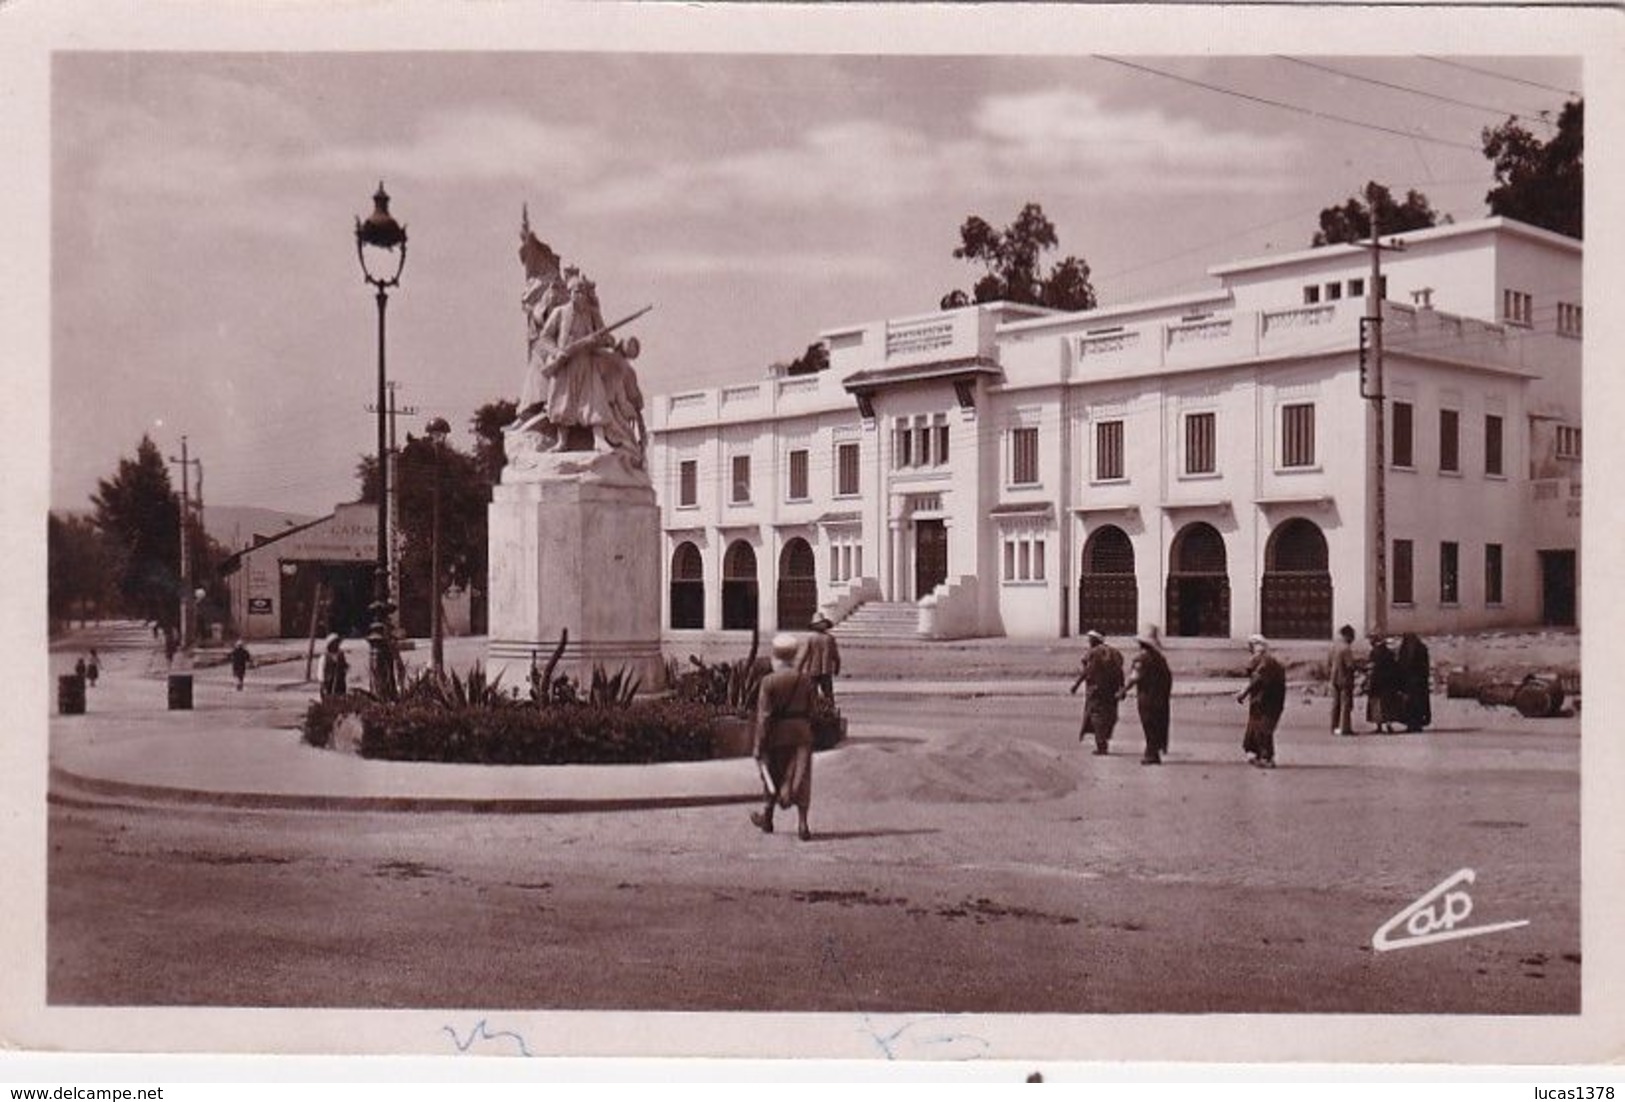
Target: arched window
(1295, 596)
(740, 601)
(798, 585)
(1108, 594)
(1198, 583)
(687, 587)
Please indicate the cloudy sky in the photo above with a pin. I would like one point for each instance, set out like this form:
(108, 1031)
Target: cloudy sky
(204, 276)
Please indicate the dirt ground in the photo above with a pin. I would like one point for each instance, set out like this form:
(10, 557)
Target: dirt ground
(969, 857)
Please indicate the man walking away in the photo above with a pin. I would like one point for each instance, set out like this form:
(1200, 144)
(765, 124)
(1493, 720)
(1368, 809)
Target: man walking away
(1153, 685)
(1416, 681)
(1340, 664)
(821, 658)
(239, 663)
(1265, 696)
(1102, 673)
(784, 738)
(93, 669)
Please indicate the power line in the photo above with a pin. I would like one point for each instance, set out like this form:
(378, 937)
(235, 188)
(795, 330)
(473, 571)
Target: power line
(1538, 116)
(1501, 76)
(1296, 108)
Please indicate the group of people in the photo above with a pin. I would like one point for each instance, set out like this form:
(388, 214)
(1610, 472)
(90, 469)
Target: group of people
(1151, 680)
(1398, 682)
(89, 667)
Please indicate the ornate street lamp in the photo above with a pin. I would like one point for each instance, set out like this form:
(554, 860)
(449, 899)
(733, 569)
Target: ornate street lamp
(438, 430)
(380, 233)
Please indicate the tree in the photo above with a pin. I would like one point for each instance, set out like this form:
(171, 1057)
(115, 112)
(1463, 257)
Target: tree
(489, 452)
(465, 496)
(1351, 221)
(1541, 183)
(139, 512)
(1011, 260)
(810, 362)
(81, 566)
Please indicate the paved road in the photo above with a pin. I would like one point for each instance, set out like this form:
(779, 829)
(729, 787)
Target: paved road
(969, 858)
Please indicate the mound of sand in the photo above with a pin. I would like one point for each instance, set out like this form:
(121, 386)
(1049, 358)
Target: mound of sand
(960, 768)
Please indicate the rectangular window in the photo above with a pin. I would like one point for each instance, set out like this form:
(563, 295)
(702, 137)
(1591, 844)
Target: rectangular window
(1108, 450)
(940, 428)
(1449, 441)
(1404, 592)
(1024, 456)
(1570, 320)
(1492, 573)
(1298, 435)
(798, 475)
(1403, 451)
(1311, 295)
(1449, 577)
(688, 482)
(1023, 558)
(904, 451)
(1568, 442)
(741, 479)
(845, 556)
(1201, 454)
(1517, 307)
(1356, 288)
(1334, 291)
(1493, 461)
(846, 470)
(922, 443)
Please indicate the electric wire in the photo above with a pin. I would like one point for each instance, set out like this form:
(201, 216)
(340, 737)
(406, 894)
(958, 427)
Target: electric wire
(1296, 108)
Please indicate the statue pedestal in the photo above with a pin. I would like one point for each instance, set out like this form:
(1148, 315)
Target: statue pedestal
(574, 546)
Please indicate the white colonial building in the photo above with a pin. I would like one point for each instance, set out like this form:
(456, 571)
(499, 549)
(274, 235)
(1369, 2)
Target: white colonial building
(1206, 462)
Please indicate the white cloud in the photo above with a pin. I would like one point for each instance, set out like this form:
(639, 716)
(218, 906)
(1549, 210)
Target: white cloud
(1045, 141)
(1066, 132)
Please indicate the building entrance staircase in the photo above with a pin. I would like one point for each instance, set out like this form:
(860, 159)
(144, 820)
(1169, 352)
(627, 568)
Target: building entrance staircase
(881, 620)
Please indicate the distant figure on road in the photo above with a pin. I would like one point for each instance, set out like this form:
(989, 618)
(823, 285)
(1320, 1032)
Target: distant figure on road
(1102, 674)
(821, 658)
(784, 738)
(239, 663)
(172, 644)
(1416, 681)
(1383, 702)
(81, 668)
(1153, 685)
(335, 668)
(1341, 668)
(93, 668)
(1265, 696)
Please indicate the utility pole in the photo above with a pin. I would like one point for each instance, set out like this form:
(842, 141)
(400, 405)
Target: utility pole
(187, 606)
(393, 482)
(1371, 348)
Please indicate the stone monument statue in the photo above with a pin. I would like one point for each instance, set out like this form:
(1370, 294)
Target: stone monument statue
(579, 383)
(574, 528)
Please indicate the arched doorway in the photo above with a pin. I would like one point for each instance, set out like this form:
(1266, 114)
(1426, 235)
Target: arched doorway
(798, 585)
(1296, 596)
(687, 587)
(1198, 583)
(1108, 595)
(739, 595)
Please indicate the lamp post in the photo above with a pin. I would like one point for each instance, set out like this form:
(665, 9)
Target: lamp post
(380, 233)
(438, 430)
